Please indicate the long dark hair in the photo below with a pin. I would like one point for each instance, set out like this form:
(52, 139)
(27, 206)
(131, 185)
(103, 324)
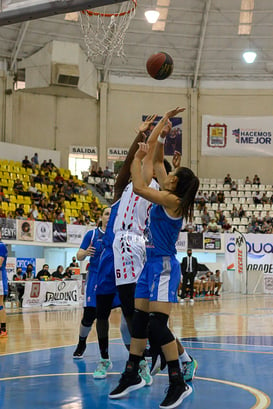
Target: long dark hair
(186, 189)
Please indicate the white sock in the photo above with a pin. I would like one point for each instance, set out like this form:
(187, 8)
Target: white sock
(185, 357)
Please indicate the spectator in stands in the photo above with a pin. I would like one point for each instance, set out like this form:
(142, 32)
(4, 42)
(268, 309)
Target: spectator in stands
(59, 219)
(83, 190)
(35, 160)
(39, 178)
(241, 211)
(44, 273)
(247, 181)
(226, 226)
(59, 180)
(257, 198)
(33, 212)
(58, 274)
(44, 165)
(33, 191)
(220, 217)
(264, 199)
(68, 273)
(234, 212)
(29, 272)
(93, 171)
(205, 216)
(73, 262)
(2, 213)
(212, 226)
(19, 211)
(2, 196)
(220, 197)
(68, 192)
(100, 172)
(233, 186)
(250, 228)
(26, 163)
(107, 173)
(18, 187)
(51, 166)
(256, 180)
(227, 180)
(79, 221)
(198, 196)
(213, 197)
(204, 228)
(268, 218)
(203, 200)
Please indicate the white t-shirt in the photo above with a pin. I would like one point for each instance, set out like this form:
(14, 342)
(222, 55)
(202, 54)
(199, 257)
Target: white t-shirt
(133, 210)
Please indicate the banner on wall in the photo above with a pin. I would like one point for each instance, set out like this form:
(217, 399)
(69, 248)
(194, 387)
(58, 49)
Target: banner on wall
(43, 232)
(237, 136)
(182, 242)
(59, 233)
(8, 229)
(25, 230)
(174, 138)
(11, 267)
(75, 233)
(195, 241)
(259, 256)
(212, 241)
(24, 261)
(40, 293)
(241, 259)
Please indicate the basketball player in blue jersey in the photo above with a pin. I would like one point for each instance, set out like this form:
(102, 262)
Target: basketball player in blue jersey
(158, 283)
(91, 247)
(106, 286)
(3, 287)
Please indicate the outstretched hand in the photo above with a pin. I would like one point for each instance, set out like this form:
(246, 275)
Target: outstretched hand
(142, 151)
(167, 128)
(147, 123)
(173, 112)
(176, 159)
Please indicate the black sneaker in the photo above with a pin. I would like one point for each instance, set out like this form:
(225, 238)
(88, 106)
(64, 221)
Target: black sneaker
(79, 351)
(158, 363)
(127, 383)
(176, 393)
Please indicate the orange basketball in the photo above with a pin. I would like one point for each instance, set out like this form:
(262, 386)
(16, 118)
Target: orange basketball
(160, 66)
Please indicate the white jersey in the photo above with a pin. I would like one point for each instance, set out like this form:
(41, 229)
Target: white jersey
(133, 211)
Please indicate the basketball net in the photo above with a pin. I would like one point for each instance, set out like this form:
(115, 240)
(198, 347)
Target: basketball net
(104, 29)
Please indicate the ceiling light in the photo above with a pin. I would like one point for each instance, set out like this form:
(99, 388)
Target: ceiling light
(152, 16)
(249, 56)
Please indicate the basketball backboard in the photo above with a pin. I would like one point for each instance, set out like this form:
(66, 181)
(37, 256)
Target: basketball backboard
(15, 11)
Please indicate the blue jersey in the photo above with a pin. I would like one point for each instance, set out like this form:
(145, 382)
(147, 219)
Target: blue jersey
(95, 239)
(109, 233)
(3, 271)
(162, 232)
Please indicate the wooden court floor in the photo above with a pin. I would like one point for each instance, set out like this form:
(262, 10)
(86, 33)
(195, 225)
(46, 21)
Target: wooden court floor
(231, 337)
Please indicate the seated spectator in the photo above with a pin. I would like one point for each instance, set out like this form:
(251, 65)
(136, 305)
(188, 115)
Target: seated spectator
(205, 217)
(204, 228)
(18, 187)
(242, 212)
(100, 172)
(212, 226)
(107, 173)
(93, 171)
(33, 212)
(227, 180)
(233, 186)
(33, 191)
(26, 163)
(79, 221)
(68, 273)
(39, 178)
(213, 197)
(29, 272)
(220, 197)
(103, 187)
(19, 212)
(264, 199)
(226, 226)
(234, 212)
(83, 190)
(35, 160)
(220, 217)
(257, 198)
(44, 273)
(2, 213)
(198, 196)
(256, 180)
(50, 165)
(19, 274)
(73, 262)
(203, 200)
(2, 196)
(58, 274)
(44, 165)
(59, 180)
(59, 219)
(247, 181)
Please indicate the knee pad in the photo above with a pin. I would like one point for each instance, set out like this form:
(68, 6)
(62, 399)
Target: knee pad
(159, 333)
(89, 316)
(140, 324)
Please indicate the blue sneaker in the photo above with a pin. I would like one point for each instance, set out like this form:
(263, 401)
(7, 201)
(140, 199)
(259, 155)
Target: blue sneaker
(189, 369)
(144, 372)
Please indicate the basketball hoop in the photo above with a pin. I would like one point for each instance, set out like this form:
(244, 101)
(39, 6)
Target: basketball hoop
(104, 30)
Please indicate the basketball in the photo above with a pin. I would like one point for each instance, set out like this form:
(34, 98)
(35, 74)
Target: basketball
(160, 66)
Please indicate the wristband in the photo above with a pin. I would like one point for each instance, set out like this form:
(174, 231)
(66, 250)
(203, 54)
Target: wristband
(161, 140)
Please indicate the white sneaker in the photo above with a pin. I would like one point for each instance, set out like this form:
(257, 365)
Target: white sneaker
(182, 301)
(191, 301)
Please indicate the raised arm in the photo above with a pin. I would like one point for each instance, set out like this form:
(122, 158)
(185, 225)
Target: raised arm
(124, 173)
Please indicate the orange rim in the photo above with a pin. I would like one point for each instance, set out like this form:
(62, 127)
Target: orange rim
(94, 13)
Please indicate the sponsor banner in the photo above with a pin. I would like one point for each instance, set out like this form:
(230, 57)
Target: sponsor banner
(75, 233)
(8, 229)
(24, 261)
(259, 256)
(43, 232)
(39, 293)
(212, 241)
(182, 242)
(173, 140)
(241, 259)
(237, 136)
(11, 267)
(59, 232)
(195, 241)
(25, 230)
